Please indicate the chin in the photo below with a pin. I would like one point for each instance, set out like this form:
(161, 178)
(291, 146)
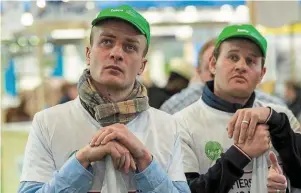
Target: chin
(240, 92)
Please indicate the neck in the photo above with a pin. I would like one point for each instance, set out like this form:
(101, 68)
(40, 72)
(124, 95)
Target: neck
(229, 98)
(113, 94)
(195, 79)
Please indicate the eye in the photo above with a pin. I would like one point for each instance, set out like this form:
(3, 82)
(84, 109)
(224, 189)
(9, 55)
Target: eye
(130, 47)
(233, 57)
(106, 42)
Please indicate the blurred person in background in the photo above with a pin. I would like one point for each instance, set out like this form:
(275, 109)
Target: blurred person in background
(180, 73)
(69, 92)
(293, 97)
(18, 114)
(227, 134)
(195, 89)
(108, 139)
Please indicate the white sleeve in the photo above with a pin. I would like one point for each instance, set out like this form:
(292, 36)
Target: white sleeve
(175, 170)
(38, 163)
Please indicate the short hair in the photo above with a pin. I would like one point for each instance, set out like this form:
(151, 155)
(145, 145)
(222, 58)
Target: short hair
(98, 24)
(205, 47)
(216, 51)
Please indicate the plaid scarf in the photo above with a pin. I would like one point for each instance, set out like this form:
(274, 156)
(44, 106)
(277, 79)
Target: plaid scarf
(106, 112)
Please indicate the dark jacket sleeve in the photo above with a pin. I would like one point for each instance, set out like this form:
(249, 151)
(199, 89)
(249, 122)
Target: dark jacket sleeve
(288, 144)
(221, 177)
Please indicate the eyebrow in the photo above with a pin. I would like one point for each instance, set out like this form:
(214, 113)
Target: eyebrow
(130, 40)
(252, 54)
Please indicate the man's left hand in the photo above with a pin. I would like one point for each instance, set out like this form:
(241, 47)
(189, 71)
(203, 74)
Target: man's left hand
(244, 121)
(120, 133)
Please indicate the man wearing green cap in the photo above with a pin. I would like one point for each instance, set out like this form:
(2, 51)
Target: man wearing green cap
(108, 139)
(213, 162)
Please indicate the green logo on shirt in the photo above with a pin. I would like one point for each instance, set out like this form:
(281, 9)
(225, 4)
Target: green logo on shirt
(213, 150)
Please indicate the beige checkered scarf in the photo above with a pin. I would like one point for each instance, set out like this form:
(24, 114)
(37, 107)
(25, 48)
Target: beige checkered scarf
(106, 112)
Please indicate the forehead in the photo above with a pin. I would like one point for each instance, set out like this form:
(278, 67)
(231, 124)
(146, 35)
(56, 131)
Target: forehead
(242, 45)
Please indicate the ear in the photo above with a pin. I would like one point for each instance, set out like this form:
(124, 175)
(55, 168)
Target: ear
(88, 54)
(263, 71)
(212, 64)
(198, 71)
(143, 64)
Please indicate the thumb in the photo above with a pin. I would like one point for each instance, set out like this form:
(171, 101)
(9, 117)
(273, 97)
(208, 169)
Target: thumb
(274, 163)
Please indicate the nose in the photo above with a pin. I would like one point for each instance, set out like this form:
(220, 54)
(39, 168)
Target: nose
(116, 53)
(241, 66)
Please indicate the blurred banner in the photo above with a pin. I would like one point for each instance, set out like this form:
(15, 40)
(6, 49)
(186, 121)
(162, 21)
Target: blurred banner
(10, 79)
(147, 4)
(276, 17)
(59, 66)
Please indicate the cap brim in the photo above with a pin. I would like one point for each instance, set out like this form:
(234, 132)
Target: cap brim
(96, 20)
(247, 37)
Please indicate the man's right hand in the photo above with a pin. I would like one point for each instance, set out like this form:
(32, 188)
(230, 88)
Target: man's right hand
(121, 157)
(259, 144)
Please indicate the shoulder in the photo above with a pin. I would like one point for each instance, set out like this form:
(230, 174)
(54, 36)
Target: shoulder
(282, 109)
(56, 115)
(264, 97)
(57, 111)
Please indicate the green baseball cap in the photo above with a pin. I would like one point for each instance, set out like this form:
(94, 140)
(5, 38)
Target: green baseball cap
(127, 13)
(244, 31)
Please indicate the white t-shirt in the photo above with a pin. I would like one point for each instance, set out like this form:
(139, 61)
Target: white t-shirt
(58, 131)
(204, 138)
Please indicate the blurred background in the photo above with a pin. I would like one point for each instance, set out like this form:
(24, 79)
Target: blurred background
(43, 54)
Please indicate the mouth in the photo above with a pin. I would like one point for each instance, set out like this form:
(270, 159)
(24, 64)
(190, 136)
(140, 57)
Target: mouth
(239, 77)
(116, 68)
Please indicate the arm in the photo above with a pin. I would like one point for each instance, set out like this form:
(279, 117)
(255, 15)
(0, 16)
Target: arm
(39, 166)
(221, 176)
(288, 145)
(72, 177)
(154, 179)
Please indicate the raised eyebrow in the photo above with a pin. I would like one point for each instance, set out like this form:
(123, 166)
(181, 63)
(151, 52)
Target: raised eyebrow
(234, 50)
(254, 55)
(107, 35)
(130, 40)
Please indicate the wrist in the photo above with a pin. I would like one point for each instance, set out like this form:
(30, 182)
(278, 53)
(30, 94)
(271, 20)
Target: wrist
(243, 151)
(144, 161)
(82, 157)
(269, 115)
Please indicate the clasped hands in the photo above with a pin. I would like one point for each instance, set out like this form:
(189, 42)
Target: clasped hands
(250, 133)
(127, 151)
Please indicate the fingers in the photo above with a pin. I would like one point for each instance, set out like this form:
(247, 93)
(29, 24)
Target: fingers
(110, 137)
(127, 163)
(237, 126)
(133, 164)
(122, 161)
(252, 126)
(277, 186)
(231, 125)
(273, 186)
(126, 159)
(101, 137)
(244, 127)
(116, 156)
(274, 163)
(95, 137)
(273, 190)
